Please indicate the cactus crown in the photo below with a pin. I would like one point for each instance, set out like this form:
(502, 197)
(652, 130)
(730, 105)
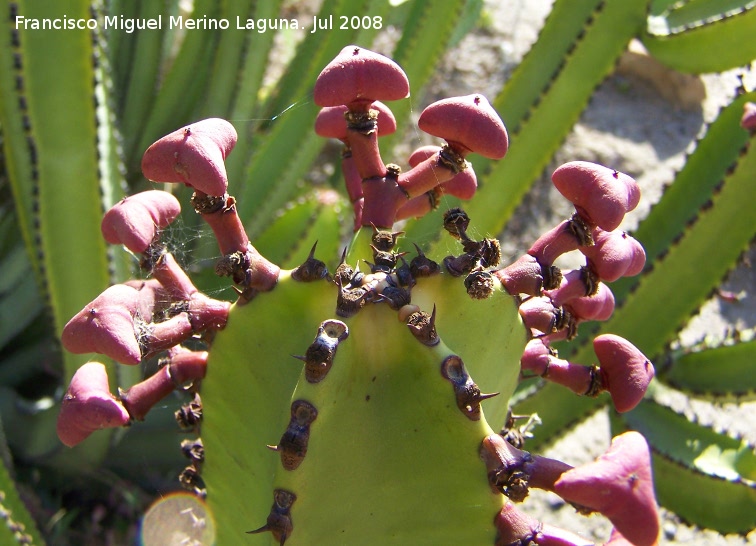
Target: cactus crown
(387, 416)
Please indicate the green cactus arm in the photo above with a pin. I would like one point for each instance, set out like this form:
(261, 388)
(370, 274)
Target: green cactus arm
(247, 397)
(465, 325)
(64, 171)
(123, 46)
(120, 45)
(656, 7)
(468, 20)
(229, 57)
(19, 158)
(17, 525)
(248, 90)
(257, 48)
(695, 12)
(401, 419)
(475, 326)
(20, 301)
(689, 456)
(721, 373)
(710, 502)
(704, 37)
(60, 184)
(396, 411)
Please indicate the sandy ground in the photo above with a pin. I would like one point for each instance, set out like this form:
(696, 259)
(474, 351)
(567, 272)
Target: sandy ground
(640, 121)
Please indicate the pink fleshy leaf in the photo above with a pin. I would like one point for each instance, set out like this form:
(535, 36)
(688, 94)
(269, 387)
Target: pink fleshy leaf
(330, 122)
(614, 254)
(462, 185)
(106, 326)
(135, 220)
(599, 306)
(193, 155)
(619, 484)
(467, 124)
(88, 406)
(625, 371)
(601, 195)
(359, 75)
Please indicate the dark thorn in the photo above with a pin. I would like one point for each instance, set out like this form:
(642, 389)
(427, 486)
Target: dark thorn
(466, 392)
(395, 297)
(194, 450)
(319, 355)
(404, 274)
(343, 274)
(293, 443)
(259, 530)
(462, 264)
(311, 269)
(190, 480)
(350, 301)
(189, 415)
(423, 327)
(422, 266)
(456, 222)
(279, 521)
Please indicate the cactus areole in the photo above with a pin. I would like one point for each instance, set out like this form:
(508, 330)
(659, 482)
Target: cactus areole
(368, 404)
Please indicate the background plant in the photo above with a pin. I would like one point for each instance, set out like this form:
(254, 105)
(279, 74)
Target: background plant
(61, 171)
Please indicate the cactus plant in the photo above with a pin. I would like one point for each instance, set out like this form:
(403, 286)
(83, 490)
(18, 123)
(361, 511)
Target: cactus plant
(373, 391)
(400, 400)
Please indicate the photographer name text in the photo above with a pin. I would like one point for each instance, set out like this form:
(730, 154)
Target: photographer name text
(129, 25)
